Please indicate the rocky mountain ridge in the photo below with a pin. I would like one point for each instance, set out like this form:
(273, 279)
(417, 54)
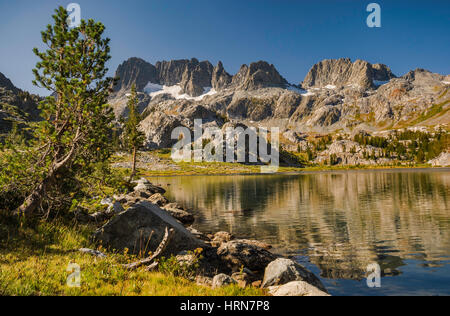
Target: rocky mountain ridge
(336, 95)
(344, 72)
(15, 105)
(194, 76)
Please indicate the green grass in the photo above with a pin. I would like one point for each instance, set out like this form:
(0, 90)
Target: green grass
(216, 170)
(34, 258)
(224, 168)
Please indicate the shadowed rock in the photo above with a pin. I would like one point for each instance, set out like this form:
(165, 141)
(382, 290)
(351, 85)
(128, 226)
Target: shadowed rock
(137, 71)
(132, 229)
(238, 253)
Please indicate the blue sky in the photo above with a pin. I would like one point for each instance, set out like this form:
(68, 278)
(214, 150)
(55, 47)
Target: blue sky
(293, 35)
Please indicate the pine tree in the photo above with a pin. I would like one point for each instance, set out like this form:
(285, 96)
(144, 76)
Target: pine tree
(74, 133)
(134, 138)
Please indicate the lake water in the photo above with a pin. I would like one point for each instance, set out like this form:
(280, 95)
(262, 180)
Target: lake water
(337, 223)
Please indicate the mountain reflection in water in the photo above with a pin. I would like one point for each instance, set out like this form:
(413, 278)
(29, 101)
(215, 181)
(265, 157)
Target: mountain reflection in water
(337, 221)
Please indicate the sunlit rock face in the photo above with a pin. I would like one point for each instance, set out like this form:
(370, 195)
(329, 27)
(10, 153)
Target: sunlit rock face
(343, 72)
(336, 95)
(442, 161)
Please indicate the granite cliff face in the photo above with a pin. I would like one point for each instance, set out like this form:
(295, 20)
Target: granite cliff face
(258, 75)
(137, 71)
(220, 78)
(193, 76)
(343, 72)
(335, 95)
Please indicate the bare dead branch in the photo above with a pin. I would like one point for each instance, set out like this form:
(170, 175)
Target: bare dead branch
(152, 267)
(162, 246)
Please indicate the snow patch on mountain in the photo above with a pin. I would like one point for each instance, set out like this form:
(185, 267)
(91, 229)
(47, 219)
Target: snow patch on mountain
(154, 89)
(305, 93)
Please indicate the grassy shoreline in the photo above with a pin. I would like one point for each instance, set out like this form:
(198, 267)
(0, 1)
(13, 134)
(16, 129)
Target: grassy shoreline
(165, 167)
(296, 172)
(34, 260)
(218, 170)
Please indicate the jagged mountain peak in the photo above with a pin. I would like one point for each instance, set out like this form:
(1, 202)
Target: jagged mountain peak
(194, 76)
(135, 70)
(6, 83)
(220, 78)
(258, 75)
(344, 72)
(421, 73)
(341, 95)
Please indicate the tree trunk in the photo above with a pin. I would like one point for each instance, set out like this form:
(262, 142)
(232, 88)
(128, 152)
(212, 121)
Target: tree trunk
(33, 201)
(133, 167)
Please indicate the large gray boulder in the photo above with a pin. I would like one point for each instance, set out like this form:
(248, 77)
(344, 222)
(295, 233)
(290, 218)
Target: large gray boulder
(282, 271)
(239, 253)
(132, 229)
(146, 186)
(296, 288)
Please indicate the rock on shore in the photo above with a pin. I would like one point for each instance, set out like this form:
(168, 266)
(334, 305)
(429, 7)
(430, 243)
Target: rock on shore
(283, 271)
(225, 260)
(132, 230)
(296, 288)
